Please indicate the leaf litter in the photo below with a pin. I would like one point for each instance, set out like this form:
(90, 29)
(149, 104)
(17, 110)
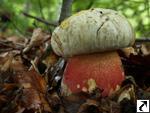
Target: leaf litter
(30, 79)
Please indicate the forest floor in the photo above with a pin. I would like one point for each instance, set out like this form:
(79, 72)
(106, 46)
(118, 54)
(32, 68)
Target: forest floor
(30, 79)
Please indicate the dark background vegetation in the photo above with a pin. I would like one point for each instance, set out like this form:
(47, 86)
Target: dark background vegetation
(12, 20)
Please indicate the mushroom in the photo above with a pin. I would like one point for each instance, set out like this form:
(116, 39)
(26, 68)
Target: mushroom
(89, 39)
(91, 31)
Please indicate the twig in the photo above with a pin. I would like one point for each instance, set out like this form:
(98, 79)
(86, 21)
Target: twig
(40, 6)
(6, 46)
(16, 27)
(11, 44)
(54, 24)
(42, 15)
(142, 40)
(65, 10)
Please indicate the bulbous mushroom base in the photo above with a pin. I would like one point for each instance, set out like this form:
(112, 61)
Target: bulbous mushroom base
(87, 72)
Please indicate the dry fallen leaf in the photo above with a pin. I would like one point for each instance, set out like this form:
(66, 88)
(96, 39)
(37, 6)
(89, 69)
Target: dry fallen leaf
(34, 90)
(38, 38)
(33, 85)
(26, 91)
(128, 51)
(90, 106)
(145, 48)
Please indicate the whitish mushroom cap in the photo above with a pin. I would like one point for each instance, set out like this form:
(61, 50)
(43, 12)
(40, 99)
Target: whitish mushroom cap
(90, 31)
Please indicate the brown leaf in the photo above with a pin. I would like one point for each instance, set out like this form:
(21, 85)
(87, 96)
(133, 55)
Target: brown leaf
(91, 106)
(38, 37)
(7, 64)
(56, 103)
(108, 106)
(145, 48)
(9, 95)
(127, 91)
(73, 102)
(34, 90)
(128, 51)
(50, 60)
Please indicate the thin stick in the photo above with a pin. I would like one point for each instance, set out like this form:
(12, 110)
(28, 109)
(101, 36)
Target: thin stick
(16, 27)
(142, 40)
(40, 6)
(54, 24)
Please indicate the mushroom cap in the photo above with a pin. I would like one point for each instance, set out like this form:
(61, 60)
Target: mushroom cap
(90, 31)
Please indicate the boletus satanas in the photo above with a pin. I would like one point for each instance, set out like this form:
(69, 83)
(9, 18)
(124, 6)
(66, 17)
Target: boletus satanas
(89, 40)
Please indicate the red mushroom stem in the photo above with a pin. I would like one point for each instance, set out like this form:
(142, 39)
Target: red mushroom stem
(87, 72)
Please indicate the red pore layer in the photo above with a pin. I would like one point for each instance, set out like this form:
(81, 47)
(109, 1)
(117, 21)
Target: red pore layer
(105, 69)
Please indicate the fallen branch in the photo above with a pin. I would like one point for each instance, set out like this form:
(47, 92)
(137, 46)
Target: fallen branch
(54, 24)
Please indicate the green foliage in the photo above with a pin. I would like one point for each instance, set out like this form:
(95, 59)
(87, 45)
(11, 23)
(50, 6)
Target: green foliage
(21, 24)
(137, 12)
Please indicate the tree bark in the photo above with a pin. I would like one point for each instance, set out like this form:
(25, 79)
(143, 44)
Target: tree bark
(66, 10)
